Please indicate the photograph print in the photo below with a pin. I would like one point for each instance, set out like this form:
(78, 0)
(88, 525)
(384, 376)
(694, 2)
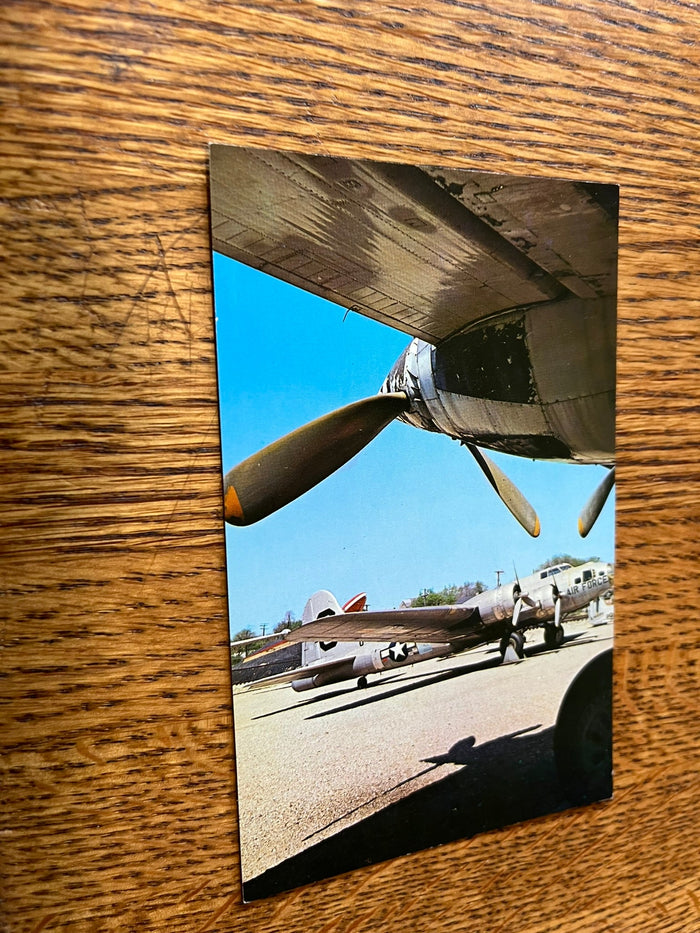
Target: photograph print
(416, 369)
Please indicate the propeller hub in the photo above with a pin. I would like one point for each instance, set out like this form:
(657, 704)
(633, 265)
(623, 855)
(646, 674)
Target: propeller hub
(411, 374)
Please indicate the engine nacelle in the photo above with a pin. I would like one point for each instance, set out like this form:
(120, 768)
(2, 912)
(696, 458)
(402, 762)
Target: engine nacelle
(337, 674)
(494, 384)
(547, 601)
(495, 605)
(304, 683)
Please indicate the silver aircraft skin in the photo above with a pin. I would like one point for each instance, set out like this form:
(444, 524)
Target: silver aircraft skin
(520, 414)
(507, 286)
(340, 646)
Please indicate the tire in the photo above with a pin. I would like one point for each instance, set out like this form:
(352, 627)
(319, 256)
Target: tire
(583, 733)
(553, 636)
(517, 642)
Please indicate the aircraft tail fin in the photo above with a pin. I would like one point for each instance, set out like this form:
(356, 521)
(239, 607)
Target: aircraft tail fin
(319, 605)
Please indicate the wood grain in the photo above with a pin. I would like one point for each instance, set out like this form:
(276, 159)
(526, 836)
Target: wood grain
(118, 782)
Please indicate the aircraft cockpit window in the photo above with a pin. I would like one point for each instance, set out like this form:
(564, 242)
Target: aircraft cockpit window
(553, 570)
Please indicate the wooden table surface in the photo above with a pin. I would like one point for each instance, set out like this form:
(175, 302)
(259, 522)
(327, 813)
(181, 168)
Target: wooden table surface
(118, 782)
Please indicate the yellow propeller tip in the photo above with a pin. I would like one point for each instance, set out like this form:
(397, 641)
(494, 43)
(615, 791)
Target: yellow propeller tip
(233, 510)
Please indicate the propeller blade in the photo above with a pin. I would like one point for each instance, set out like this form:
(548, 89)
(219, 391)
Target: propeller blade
(594, 506)
(508, 492)
(516, 613)
(291, 466)
(557, 612)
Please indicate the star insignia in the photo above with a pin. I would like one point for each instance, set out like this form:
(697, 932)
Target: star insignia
(398, 651)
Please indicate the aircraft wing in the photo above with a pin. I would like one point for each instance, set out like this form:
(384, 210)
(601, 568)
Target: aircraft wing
(340, 665)
(428, 251)
(431, 624)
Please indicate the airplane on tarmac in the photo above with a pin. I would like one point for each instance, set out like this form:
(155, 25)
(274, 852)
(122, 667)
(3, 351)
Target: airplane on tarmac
(507, 286)
(340, 644)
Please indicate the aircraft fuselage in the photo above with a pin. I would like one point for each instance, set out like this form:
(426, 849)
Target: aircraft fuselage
(575, 587)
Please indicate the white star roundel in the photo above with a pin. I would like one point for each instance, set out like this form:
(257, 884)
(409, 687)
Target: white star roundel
(398, 651)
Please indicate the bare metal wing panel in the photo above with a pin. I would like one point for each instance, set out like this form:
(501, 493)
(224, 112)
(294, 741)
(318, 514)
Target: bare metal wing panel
(432, 625)
(427, 251)
(325, 669)
(567, 228)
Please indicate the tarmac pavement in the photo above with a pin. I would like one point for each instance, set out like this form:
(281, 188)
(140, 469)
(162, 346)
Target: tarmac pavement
(339, 777)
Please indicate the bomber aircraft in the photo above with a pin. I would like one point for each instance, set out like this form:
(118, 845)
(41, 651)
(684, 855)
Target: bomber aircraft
(506, 285)
(345, 644)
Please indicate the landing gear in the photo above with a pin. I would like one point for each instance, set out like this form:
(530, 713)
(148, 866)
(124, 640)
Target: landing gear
(514, 640)
(362, 682)
(553, 635)
(517, 643)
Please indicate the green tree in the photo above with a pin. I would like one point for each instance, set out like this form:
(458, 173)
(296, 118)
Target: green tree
(448, 595)
(288, 622)
(564, 559)
(240, 652)
(444, 597)
(467, 590)
(244, 634)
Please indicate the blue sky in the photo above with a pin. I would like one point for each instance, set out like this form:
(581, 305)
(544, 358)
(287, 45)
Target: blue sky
(411, 511)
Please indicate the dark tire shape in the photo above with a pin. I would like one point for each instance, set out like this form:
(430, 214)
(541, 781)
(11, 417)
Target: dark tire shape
(362, 682)
(517, 643)
(553, 636)
(583, 733)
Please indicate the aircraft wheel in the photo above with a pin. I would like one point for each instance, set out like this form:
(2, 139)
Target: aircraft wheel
(553, 636)
(362, 682)
(514, 640)
(517, 643)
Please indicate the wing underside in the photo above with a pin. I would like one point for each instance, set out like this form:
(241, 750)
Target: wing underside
(428, 251)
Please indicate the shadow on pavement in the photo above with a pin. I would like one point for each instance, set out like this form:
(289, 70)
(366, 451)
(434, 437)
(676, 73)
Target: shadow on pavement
(504, 781)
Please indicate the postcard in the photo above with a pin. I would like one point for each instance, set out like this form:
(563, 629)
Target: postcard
(416, 372)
